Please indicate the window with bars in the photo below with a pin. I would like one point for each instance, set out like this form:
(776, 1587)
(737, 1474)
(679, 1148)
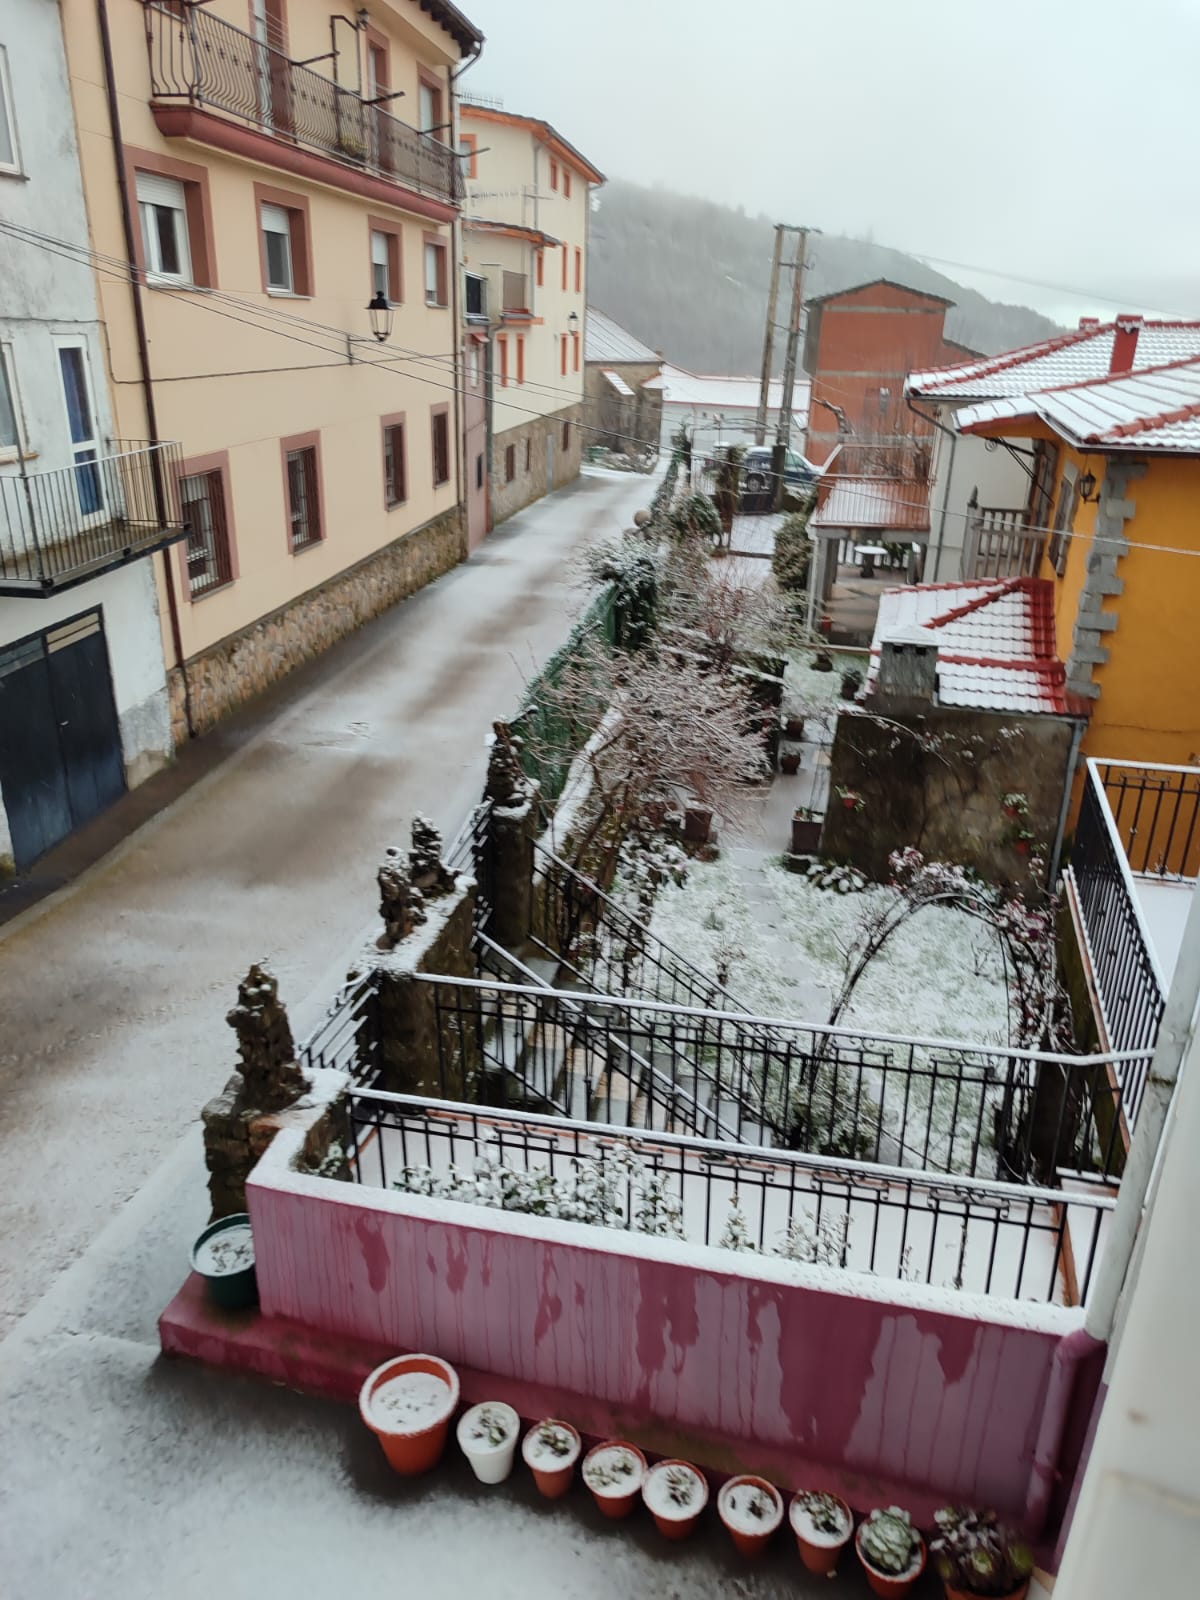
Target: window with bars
(304, 500)
(209, 559)
(395, 486)
(441, 448)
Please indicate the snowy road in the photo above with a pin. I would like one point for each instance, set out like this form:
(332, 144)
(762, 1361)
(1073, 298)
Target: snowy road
(113, 994)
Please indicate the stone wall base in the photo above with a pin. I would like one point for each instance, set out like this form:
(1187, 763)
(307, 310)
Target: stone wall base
(528, 441)
(243, 665)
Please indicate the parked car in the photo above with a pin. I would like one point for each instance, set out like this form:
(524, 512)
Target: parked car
(798, 472)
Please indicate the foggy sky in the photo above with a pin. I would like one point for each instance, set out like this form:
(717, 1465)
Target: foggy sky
(1051, 139)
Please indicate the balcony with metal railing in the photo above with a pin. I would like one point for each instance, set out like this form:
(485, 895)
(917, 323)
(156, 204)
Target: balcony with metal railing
(1133, 869)
(62, 527)
(206, 63)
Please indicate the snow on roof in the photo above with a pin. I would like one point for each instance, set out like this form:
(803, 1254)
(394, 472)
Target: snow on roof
(606, 340)
(996, 646)
(1076, 357)
(1153, 410)
(873, 502)
(716, 392)
(617, 382)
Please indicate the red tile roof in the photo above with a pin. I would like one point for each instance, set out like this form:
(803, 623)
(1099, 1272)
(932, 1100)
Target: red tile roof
(880, 504)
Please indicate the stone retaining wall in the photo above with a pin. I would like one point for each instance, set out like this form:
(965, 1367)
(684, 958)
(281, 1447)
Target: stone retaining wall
(526, 487)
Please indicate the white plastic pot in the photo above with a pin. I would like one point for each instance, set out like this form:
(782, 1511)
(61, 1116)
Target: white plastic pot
(491, 1463)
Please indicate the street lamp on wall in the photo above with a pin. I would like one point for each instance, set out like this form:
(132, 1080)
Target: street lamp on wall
(1087, 488)
(381, 314)
(573, 322)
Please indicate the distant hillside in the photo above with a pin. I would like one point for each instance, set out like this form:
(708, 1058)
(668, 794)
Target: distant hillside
(690, 278)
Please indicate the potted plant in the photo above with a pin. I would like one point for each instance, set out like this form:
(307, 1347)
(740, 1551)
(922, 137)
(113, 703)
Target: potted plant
(675, 1493)
(487, 1436)
(223, 1255)
(892, 1552)
(790, 760)
(823, 1524)
(551, 1449)
(697, 824)
(976, 1554)
(614, 1471)
(806, 831)
(1015, 805)
(407, 1403)
(793, 728)
(852, 680)
(850, 798)
(752, 1509)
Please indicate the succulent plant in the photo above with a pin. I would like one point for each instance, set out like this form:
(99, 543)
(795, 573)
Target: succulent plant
(824, 1511)
(889, 1541)
(976, 1552)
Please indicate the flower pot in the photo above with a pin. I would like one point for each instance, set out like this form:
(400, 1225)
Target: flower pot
(1012, 813)
(697, 824)
(487, 1436)
(885, 1584)
(806, 835)
(789, 762)
(552, 1468)
(752, 1509)
(614, 1472)
(793, 728)
(1023, 847)
(675, 1517)
(850, 802)
(1018, 1593)
(407, 1403)
(819, 1550)
(223, 1255)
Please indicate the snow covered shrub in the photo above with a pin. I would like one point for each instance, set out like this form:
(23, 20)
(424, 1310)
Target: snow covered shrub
(823, 1240)
(790, 560)
(736, 1235)
(695, 518)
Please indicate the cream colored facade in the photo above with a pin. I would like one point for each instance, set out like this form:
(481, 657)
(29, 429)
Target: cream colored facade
(238, 369)
(525, 232)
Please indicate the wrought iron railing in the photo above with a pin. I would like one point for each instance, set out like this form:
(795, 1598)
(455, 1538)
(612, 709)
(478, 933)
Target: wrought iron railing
(1000, 544)
(348, 1037)
(70, 523)
(984, 1237)
(939, 1106)
(195, 56)
(1156, 812)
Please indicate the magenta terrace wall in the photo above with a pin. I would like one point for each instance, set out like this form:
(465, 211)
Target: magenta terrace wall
(737, 1362)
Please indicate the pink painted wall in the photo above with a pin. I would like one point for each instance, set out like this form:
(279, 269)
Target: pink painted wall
(755, 1365)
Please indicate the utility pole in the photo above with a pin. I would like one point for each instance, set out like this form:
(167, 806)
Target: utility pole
(783, 431)
(764, 387)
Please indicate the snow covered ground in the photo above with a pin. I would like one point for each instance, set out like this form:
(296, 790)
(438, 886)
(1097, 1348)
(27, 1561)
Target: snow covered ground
(1164, 903)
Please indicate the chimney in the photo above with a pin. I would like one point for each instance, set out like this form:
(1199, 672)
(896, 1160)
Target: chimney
(1086, 324)
(908, 667)
(1125, 341)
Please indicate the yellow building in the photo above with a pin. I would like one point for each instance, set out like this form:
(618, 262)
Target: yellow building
(1112, 522)
(255, 167)
(525, 235)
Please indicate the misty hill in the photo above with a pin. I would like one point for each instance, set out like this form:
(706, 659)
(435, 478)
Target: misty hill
(690, 278)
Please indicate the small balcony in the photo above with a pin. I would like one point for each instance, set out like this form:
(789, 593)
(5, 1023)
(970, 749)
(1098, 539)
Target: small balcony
(198, 59)
(62, 527)
(1000, 544)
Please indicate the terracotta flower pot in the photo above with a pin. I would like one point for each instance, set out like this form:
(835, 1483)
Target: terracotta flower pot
(1018, 1593)
(1022, 847)
(751, 1534)
(849, 801)
(806, 835)
(789, 762)
(552, 1472)
(819, 1551)
(407, 1403)
(793, 728)
(674, 1521)
(883, 1583)
(616, 1499)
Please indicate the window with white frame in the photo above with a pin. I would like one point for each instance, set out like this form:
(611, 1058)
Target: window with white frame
(10, 160)
(380, 273)
(163, 210)
(435, 274)
(277, 241)
(10, 430)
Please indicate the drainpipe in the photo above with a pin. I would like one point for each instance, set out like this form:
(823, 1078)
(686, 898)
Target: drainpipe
(1174, 1034)
(1064, 810)
(460, 371)
(139, 323)
(935, 576)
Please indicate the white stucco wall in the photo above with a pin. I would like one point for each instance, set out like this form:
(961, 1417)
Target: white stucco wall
(959, 466)
(43, 297)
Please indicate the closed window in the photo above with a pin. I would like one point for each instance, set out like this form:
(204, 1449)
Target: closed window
(554, 174)
(520, 358)
(435, 273)
(567, 182)
(540, 256)
(502, 358)
(1064, 520)
(162, 207)
(566, 435)
(479, 471)
(563, 354)
(304, 499)
(441, 448)
(396, 487)
(510, 463)
(575, 351)
(209, 565)
(10, 434)
(9, 157)
(468, 144)
(529, 455)
(381, 277)
(429, 105)
(474, 354)
(277, 246)
(578, 270)
(566, 257)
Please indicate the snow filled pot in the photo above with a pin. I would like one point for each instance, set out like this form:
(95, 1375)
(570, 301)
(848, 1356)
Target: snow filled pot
(407, 1403)
(823, 1524)
(806, 834)
(891, 1551)
(752, 1509)
(223, 1255)
(551, 1449)
(614, 1471)
(789, 762)
(675, 1493)
(487, 1436)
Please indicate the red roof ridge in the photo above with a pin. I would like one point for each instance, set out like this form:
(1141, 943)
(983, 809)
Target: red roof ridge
(1003, 587)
